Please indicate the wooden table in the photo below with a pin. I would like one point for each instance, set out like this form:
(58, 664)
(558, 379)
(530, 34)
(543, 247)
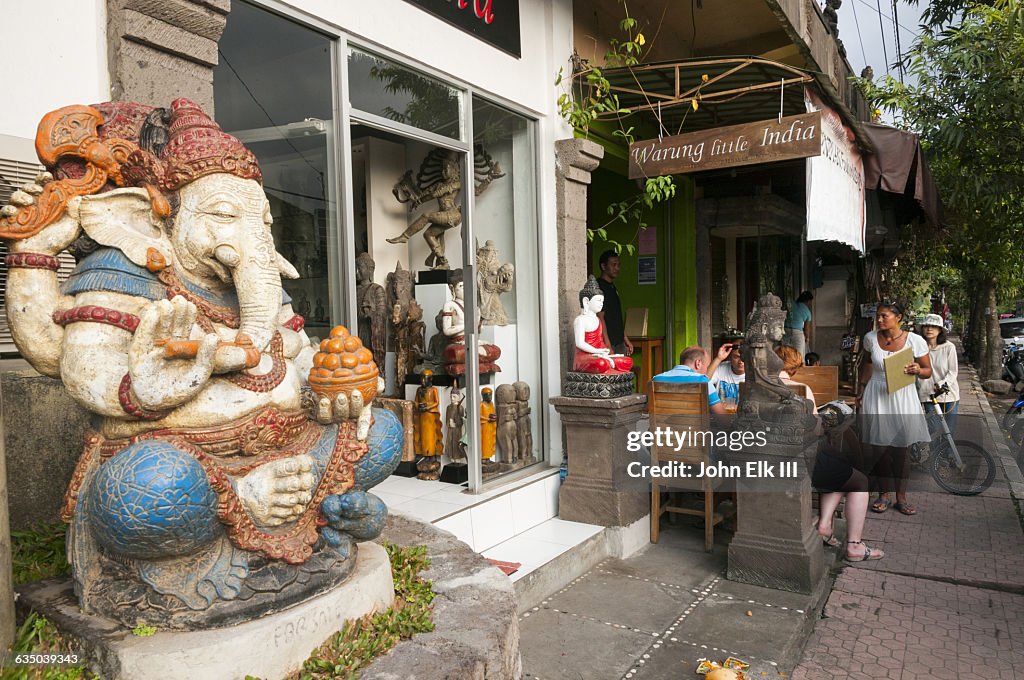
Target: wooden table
(651, 363)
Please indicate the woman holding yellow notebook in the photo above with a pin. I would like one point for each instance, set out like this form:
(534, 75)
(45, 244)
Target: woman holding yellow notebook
(892, 417)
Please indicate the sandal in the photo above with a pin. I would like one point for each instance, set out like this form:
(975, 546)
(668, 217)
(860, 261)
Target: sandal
(905, 508)
(869, 552)
(881, 505)
(831, 541)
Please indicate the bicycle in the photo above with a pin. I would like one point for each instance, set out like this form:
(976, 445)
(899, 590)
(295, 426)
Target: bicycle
(958, 466)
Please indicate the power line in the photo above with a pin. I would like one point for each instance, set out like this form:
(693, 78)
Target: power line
(899, 47)
(881, 27)
(881, 13)
(863, 52)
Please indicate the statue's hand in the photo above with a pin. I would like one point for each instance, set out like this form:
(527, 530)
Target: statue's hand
(278, 492)
(58, 235)
(157, 381)
(348, 407)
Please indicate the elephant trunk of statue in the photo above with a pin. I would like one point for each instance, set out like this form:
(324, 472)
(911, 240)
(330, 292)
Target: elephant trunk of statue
(257, 279)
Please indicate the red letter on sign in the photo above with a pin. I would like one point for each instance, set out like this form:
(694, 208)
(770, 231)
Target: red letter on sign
(487, 13)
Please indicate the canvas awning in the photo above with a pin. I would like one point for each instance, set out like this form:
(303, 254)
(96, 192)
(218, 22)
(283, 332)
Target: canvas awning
(898, 166)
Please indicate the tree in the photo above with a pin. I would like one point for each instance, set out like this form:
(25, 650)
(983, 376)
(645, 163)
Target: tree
(967, 105)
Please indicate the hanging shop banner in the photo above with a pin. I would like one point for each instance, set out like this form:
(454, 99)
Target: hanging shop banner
(835, 181)
(496, 22)
(765, 141)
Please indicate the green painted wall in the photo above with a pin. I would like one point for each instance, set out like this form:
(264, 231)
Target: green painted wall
(609, 185)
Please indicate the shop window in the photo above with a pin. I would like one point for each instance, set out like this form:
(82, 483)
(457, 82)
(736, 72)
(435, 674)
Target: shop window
(384, 88)
(273, 91)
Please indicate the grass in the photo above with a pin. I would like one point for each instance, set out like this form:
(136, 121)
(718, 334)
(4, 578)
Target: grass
(361, 641)
(39, 553)
(38, 636)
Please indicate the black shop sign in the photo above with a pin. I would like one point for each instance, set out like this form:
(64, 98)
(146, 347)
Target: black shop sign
(496, 22)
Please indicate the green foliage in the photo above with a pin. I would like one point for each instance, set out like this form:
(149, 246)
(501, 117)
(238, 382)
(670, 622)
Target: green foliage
(144, 631)
(359, 642)
(38, 636)
(39, 553)
(588, 98)
(967, 105)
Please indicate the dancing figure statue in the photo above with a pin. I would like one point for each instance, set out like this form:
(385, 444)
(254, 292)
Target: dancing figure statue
(440, 179)
(215, 487)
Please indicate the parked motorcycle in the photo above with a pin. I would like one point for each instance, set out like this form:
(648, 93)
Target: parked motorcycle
(1013, 364)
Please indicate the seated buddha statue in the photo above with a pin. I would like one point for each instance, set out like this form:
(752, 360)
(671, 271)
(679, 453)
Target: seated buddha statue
(453, 325)
(592, 354)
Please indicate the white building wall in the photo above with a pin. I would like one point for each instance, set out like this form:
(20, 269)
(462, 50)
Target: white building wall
(54, 53)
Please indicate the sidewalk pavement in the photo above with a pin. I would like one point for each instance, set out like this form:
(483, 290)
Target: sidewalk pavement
(947, 600)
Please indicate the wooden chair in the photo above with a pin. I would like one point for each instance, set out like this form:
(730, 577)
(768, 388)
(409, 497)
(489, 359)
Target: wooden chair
(823, 381)
(682, 407)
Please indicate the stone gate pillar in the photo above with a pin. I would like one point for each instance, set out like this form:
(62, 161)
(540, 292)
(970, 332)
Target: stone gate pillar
(158, 50)
(575, 159)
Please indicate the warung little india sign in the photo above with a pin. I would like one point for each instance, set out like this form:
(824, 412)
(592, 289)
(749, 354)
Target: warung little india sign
(765, 141)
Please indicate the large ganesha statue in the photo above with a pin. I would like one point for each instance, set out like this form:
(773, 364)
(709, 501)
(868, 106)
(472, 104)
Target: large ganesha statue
(216, 486)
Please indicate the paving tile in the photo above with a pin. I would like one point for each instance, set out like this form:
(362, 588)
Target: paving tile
(556, 646)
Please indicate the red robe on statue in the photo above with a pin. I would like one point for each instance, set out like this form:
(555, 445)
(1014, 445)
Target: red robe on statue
(585, 362)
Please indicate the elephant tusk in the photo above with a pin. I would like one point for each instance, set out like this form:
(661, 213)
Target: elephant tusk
(227, 255)
(287, 270)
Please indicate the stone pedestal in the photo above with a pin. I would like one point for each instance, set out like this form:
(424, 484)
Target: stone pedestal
(595, 433)
(776, 544)
(269, 647)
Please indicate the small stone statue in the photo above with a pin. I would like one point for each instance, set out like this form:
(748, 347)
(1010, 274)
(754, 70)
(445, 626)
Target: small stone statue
(592, 356)
(434, 357)
(439, 179)
(493, 279)
(373, 309)
(765, 397)
(453, 325)
(302, 307)
(488, 425)
(508, 410)
(319, 314)
(428, 428)
(417, 333)
(455, 420)
(524, 424)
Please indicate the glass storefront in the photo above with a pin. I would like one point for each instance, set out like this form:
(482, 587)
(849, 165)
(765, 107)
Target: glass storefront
(420, 220)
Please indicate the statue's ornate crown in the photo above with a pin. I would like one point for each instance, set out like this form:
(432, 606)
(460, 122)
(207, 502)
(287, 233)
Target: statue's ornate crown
(590, 289)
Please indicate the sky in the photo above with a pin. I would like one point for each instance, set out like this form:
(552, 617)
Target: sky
(866, 42)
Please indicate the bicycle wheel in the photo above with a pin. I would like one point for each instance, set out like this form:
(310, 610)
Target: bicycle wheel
(976, 475)
(1017, 433)
(1012, 415)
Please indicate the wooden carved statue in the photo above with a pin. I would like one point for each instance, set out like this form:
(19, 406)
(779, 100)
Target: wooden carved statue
(428, 428)
(373, 309)
(440, 179)
(218, 483)
(488, 424)
(417, 333)
(524, 424)
(508, 410)
(455, 421)
(493, 279)
(399, 298)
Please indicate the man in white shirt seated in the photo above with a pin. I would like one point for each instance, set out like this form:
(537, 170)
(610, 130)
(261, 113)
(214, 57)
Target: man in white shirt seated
(727, 371)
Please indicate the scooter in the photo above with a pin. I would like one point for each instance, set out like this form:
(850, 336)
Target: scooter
(1013, 364)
